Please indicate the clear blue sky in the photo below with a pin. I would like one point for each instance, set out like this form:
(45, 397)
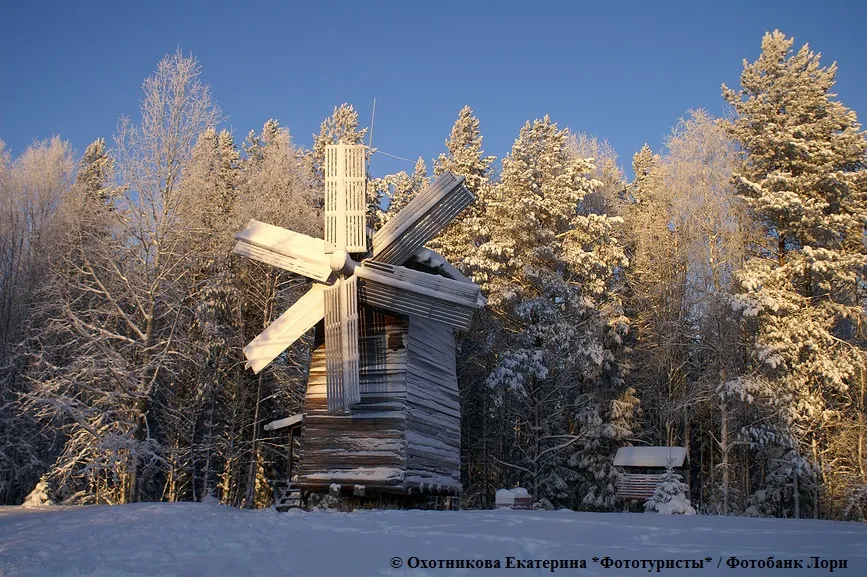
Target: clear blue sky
(623, 71)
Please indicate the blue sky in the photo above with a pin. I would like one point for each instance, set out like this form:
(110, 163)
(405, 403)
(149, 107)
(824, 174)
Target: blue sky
(623, 71)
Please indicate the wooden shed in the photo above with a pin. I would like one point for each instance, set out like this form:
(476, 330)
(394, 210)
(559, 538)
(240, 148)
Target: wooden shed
(640, 469)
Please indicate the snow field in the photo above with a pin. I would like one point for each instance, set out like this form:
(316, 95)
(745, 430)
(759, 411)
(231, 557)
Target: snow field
(192, 539)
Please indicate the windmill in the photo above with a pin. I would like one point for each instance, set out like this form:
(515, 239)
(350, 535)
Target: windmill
(390, 421)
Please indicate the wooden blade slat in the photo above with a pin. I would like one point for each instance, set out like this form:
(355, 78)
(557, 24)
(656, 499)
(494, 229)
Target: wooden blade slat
(286, 329)
(333, 352)
(349, 334)
(286, 249)
(345, 198)
(341, 346)
(425, 216)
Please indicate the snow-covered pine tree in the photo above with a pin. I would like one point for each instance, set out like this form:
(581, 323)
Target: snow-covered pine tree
(342, 125)
(655, 295)
(645, 166)
(464, 157)
(208, 210)
(803, 177)
(671, 496)
(39, 496)
(400, 188)
(546, 270)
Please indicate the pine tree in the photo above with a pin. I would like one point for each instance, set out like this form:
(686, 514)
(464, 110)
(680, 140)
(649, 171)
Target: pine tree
(670, 496)
(803, 177)
(95, 172)
(645, 165)
(464, 157)
(546, 270)
(401, 188)
(341, 126)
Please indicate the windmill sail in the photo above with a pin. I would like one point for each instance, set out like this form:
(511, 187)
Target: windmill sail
(424, 217)
(288, 328)
(378, 282)
(283, 248)
(345, 198)
(411, 292)
(341, 345)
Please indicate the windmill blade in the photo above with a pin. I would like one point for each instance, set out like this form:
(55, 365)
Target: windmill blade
(283, 248)
(424, 217)
(411, 292)
(345, 198)
(341, 345)
(287, 329)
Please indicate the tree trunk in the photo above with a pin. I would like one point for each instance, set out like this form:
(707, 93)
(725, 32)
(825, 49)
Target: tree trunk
(254, 460)
(797, 495)
(724, 451)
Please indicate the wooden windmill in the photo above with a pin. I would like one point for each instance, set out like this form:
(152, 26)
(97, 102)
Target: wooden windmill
(381, 410)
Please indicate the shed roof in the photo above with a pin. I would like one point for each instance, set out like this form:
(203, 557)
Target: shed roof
(649, 456)
(282, 423)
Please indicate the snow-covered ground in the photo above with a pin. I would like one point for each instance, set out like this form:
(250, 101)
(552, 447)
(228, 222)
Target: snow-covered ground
(191, 539)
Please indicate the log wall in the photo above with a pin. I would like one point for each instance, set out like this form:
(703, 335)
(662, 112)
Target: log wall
(404, 435)
(366, 447)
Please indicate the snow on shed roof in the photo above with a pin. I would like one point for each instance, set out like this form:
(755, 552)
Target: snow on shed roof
(282, 423)
(649, 456)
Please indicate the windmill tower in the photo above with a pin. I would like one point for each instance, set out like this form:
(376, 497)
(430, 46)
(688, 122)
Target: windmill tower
(381, 411)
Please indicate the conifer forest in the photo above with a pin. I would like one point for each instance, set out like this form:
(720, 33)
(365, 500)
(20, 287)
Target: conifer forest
(713, 301)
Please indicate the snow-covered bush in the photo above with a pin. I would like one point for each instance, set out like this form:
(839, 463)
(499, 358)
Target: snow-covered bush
(513, 498)
(209, 498)
(38, 497)
(670, 496)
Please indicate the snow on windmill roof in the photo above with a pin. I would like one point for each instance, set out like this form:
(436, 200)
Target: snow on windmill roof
(437, 262)
(649, 456)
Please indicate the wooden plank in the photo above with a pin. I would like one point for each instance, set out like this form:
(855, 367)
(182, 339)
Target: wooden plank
(433, 419)
(421, 283)
(286, 249)
(349, 341)
(286, 329)
(636, 485)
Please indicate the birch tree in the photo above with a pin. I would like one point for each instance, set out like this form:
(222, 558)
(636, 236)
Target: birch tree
(33, 189)
(104, 363)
